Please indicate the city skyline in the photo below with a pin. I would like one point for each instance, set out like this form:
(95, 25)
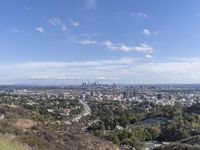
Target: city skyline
(129, 42)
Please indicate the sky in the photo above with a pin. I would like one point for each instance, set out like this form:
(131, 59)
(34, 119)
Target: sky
(107, 41)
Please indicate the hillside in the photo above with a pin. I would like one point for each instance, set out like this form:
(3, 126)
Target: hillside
(34, 130)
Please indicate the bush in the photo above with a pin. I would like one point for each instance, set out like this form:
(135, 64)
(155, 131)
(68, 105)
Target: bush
(18, 132)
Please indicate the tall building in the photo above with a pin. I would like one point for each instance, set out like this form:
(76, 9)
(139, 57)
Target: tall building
(134, 94)
(124, 94)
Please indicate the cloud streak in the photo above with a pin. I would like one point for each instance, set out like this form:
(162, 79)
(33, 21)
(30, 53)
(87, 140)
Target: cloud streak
(123, 70)
(87, 42)
(121, 47)
(148, 56)
(40, 29)
(74, 23)
(122, 61)
(57, 22)
(140, 15)
(146, 32)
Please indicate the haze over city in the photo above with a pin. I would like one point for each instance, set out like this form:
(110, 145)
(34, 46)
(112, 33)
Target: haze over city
(68, 42)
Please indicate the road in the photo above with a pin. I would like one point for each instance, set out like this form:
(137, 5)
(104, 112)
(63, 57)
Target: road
(86, 112)
(86, 107)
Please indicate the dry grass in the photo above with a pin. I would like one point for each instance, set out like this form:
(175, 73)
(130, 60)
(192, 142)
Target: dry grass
(25, 123)
(32, 141)
(7, 143)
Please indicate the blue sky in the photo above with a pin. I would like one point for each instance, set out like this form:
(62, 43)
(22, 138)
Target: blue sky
(70, 41)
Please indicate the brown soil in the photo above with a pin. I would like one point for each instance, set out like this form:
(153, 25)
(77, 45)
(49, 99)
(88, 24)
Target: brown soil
(25, 123)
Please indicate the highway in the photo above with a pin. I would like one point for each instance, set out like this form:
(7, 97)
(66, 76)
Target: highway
(86, 107)
(86, 112)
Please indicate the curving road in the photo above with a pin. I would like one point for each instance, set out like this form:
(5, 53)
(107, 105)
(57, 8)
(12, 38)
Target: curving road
(86, 112)
(86, 107)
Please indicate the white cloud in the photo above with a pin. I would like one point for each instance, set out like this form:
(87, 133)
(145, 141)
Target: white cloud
(72, 70)
(87, 42)
(93, 63)
(74, 23)
(84, 41)
(124, 70)
(109, 45)
(141, 48)
(146, 32)
(140, 14)
(57, 22)
(40, 29)
(91, 4)
(148, 56)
